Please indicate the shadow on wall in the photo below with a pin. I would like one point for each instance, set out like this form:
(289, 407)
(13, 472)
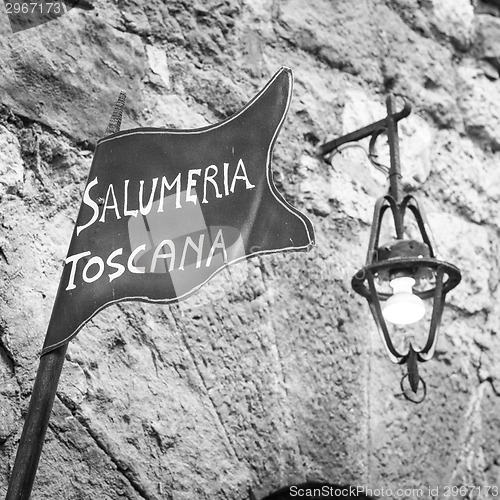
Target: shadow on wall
(314, 490)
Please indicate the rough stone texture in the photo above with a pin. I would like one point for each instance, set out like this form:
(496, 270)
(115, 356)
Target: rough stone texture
(274, 372)
(454, 19)
(11, 163)
(489, 31)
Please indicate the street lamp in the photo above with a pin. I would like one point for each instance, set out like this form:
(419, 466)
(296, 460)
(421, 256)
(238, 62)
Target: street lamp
(401, 274)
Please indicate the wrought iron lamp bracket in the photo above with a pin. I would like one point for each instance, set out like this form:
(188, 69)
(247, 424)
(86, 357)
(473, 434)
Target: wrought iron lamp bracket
(373, 130)
(400, 257)
(387, 125)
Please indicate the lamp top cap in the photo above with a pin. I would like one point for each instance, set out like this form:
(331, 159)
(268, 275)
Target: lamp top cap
(403, 248)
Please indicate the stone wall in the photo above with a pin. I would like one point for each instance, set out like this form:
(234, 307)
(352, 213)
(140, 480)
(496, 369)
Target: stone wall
(274, 373)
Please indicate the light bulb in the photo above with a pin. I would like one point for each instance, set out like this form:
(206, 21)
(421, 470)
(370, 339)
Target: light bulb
(404, 307)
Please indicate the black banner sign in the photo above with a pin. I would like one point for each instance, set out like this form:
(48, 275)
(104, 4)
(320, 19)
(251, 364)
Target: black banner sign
(164, 210)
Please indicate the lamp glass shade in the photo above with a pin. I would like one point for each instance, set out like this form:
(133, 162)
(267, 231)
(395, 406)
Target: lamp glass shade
(403, 307)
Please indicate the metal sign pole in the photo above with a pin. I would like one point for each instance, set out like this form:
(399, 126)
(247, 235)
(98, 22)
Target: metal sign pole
(35, 425)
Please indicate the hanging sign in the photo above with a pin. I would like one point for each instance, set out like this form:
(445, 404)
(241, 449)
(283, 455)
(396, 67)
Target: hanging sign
(164, 210)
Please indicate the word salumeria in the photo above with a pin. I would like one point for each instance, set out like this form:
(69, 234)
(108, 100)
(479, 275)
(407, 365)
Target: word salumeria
(213, 183)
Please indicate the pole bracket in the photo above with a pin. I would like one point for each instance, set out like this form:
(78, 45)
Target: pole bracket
(374, 129)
